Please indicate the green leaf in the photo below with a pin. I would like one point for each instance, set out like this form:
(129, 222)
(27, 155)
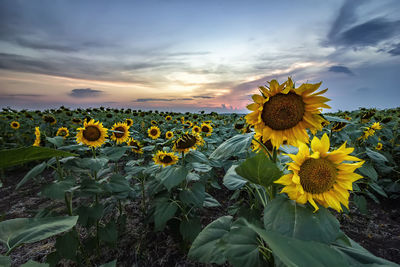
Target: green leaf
(165, 210)
(118, 184)
(57, 140)
(190, 229)
(232, 180)
(376, 156)
(259, 170)
(368, 170)
(19, 231)
(18, 156)
(336, 119)
(242, 246)
(89, 215)
(205, 247)
(32, 263)
(5, 261)
(110, 264)
(92, 164)
(378, 189)
(194, 195)
(210, 201)
(294, 220)
(172, 176)
(361, 203)
(109, 233)
(57, 189)
(201, 167)
(296, 252)
(233, 146)
(196, 156)
(115, 153)
(35, 171)
(67, 245)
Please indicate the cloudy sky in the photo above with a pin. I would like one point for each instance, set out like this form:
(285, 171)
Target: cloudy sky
(189, 55)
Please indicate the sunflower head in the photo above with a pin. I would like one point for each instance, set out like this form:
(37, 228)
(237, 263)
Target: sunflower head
(76, 120)
(136, 145)
(49, 119)
(62, 131)
(120, 132)
(37, 137)
(239, 126)
(188, 141)
(168, 118)
(379, 146)
(338, 126)
(154, 132)
(129, 122)
(376, 126)
(169, 135)
(196, 129)
(92, 134)
(283, 112)
(322, 176)
(165, 158)
(153, 122)
(206, 128)
(15, 125)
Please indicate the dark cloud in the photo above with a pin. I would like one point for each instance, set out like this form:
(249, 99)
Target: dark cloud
(341, 69)
(22, 95)
(161, 99)
(203, 96)
(41, 45)
(85, 92)
(395, 50)
(345, 17)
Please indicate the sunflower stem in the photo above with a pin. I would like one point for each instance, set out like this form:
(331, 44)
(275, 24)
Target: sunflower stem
(264, 147)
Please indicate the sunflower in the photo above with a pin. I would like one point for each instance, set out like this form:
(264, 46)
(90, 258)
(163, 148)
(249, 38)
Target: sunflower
(169, 135)
(379, 146)
(338, 126)
(347, 118)
(15, 125)
(165, 158)
(206, 128)
(188, 141)
(376, 126)
(37, 137)
(49, 119)
(196, 129)
(154, 132)
(62, 131)
(284, 112)
(323, 176)
(76, 120)
(153, 122)
(129, 122)
(122, 133)
(136, 145)
(168, 118)
(257, 147)
(92, 134)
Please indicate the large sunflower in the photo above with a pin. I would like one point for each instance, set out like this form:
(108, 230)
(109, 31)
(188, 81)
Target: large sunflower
(206, 128)
(188, 141)
(154, 132)
(62, 131)
(37, 137)
(136, 145)
(92, 134)
(122, 133)
(323, 176)
(165, 158)
(15, 125)
(284, 112)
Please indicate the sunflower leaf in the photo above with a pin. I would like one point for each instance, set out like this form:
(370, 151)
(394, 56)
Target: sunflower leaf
(259, 170)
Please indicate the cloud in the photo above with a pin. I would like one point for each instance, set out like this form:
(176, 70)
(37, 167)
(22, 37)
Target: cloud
(341, 69)
(395, 51)
(22, 95)
(41, 45)
(85, 92)
(161, 99)
(203, 96)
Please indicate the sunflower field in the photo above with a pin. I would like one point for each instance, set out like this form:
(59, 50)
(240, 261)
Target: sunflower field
(288, 184)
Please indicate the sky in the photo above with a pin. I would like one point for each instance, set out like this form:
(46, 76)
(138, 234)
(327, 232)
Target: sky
(187, 55)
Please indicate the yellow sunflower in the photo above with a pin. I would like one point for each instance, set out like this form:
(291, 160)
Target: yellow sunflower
(129, 122)
(188, 141)
(257, 147)
(92, 134)
(15, 125)
(136, 145)
(347, 118)
(323, 176)
(165, 158)
(376, 126)
(62, 131)
(153, 122)
(206, 128)
(338, 126)
(284, 112)
(196, 129)
(122, 133)
(379, 146)
(168, 118)
(169, 135)
(154, 132)
(37, 137)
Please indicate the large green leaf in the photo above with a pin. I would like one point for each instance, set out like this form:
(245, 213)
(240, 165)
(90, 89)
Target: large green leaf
(368, 170)
(206, 247)
(294, 220)
(115, 153)
(165, 210)
(16, 232)
(189, 229)
(232, 180)
(295, 252)
(375, 156)
(91, 163)
(172, 176)
(35, 171)
(18, 156)
(194, 195)
(259, 170)
(32, 263)
(233, 146)
(5, 261)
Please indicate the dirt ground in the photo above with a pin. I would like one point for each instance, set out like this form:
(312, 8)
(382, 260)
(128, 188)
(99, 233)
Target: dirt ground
(379, 231)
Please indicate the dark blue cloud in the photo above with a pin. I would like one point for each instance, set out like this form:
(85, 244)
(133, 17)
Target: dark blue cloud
(202, 96)
(395, 50)
(85, 92)
(341, 69)
(161, 99)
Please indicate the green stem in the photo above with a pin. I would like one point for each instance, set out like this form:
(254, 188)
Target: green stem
(143, 197)
(68, 202)
(264, 147)
(263, 200)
